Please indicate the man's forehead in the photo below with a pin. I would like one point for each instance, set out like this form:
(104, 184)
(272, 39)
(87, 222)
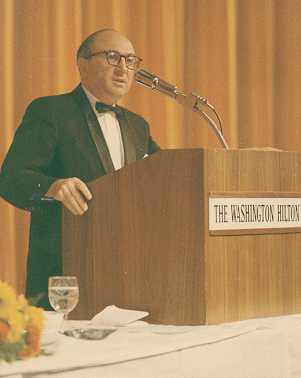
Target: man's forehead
(110, 40)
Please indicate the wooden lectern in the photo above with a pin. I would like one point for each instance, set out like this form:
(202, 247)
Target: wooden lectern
(145, 243)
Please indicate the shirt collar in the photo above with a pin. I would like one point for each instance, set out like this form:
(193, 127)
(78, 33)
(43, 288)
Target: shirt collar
(91, 98)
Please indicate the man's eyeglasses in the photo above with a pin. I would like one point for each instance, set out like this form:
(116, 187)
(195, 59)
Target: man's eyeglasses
(113, 57)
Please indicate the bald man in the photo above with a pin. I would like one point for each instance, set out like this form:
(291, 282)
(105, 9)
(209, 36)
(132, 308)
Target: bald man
(68, 140)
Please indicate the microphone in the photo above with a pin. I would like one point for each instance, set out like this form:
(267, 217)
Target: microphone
(154, 82)
(191, 101)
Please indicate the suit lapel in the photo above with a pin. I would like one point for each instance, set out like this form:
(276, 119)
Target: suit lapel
(97, 135)
(128, 144)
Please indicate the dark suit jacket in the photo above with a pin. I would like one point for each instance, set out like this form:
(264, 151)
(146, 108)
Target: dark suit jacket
(60, 137)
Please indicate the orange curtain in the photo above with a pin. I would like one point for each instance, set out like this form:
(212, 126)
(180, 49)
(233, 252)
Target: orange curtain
(242, 56)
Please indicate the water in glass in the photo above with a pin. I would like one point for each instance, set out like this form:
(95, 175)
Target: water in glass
(63, 294)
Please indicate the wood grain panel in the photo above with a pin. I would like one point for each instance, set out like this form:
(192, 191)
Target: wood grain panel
(142, 245)
(251, 276)
(145, 244)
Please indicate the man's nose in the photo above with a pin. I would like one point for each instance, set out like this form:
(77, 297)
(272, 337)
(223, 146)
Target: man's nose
(121, 67)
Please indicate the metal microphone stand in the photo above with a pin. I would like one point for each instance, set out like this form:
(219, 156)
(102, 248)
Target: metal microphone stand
(191, 101)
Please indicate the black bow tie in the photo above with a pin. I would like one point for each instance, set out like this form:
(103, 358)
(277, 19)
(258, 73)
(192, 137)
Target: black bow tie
(104, 108)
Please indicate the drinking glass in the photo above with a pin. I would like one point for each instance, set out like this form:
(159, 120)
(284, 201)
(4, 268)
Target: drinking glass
(63, 294)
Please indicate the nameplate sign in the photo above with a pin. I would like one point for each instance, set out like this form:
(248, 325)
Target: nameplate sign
(254, 212)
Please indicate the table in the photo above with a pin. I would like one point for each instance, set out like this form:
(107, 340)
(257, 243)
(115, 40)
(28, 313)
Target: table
(269, 347)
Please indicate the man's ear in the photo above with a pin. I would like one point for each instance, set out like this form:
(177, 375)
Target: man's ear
(82, 66)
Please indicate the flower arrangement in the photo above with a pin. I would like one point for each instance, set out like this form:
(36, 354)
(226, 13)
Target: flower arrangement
(20, 326)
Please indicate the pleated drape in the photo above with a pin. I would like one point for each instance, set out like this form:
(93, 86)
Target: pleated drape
(243, 56)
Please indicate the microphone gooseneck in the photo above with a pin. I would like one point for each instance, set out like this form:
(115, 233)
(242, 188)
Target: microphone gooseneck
(191, 101)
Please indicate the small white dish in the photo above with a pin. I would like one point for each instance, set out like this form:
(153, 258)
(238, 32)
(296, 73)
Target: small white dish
(49, 343)
(53, 321)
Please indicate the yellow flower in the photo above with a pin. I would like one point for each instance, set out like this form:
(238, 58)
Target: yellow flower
(15, 320)
(8, 297)
(22, 302)
(36, 316)
(20, 325)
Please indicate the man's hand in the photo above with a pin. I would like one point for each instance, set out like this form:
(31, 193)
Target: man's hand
(70, 192)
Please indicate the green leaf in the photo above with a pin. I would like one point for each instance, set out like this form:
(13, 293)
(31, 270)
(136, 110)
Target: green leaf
(34, 300)
(10, 351)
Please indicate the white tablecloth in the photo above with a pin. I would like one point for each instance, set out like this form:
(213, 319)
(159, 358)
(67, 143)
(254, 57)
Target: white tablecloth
(268, 347)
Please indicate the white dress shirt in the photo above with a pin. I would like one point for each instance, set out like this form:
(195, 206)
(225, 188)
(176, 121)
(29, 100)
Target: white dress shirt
(109, 125)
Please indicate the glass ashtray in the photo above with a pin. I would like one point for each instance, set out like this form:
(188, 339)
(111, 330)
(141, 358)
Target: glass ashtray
(89, 334)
